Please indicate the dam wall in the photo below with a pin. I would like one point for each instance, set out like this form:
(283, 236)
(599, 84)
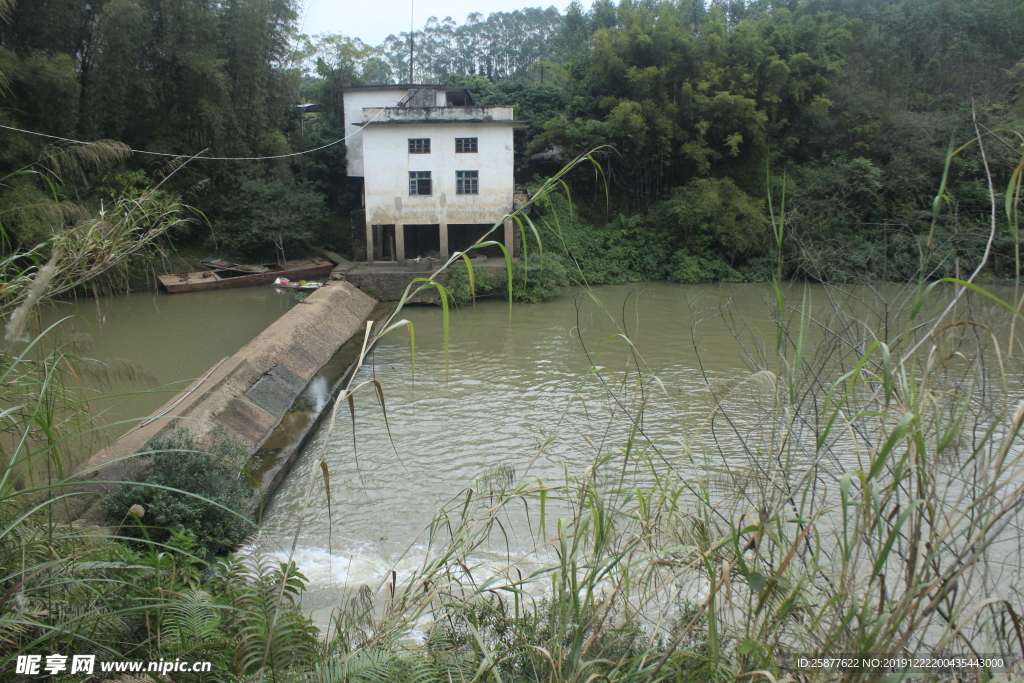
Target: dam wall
(245, 396)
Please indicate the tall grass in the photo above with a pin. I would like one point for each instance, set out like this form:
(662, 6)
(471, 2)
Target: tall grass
(877, 513)
(67, 587)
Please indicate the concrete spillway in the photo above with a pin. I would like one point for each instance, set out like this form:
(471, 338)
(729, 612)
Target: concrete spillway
(246, 394)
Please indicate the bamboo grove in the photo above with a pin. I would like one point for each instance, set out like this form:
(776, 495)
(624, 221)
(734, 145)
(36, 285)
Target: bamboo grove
(855, 103)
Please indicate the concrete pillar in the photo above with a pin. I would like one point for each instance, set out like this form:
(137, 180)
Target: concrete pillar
(400, 243)
(443, 230)
(369, 240)
(510, 234)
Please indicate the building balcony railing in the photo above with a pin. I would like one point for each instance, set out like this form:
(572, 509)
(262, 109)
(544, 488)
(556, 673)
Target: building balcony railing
(435, 114)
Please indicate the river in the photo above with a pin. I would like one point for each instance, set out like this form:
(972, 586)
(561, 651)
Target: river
(171, 339)
(553, 392)
(680, 376)
(516, 397)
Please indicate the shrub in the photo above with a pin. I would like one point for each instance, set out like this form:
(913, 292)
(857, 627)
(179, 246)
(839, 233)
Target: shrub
(537, 279)
(690, 270)
(625, 249)
(458, 283)
(266, 213)
(713, 218)
(190, 474)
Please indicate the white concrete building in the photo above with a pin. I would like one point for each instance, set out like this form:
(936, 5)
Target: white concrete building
(437, 170)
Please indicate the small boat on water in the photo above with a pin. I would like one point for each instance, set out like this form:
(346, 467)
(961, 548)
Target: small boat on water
(225, 275)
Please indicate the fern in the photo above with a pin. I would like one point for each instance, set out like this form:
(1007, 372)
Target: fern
(388, 667)
(191, 621)
(269, 633)
(355, 667)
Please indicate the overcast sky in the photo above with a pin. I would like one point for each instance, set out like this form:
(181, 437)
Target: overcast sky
(374, 20)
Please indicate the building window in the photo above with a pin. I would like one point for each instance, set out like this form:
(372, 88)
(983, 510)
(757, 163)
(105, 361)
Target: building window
(465, 145)
(419, 182)
(467, 182)
(419, 146)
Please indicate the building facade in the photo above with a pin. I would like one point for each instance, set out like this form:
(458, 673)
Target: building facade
(437, 170)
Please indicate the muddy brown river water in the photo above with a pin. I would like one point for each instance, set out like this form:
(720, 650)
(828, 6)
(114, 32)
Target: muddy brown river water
(510, 386)
(544, 393)
(173, 338)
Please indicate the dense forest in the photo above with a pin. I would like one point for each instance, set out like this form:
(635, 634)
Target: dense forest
(846, 108)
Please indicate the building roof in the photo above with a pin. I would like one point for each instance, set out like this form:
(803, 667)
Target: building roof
(521, 125)
(402, 86)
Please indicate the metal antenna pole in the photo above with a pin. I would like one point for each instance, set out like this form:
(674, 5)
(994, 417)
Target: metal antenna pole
(412, 51)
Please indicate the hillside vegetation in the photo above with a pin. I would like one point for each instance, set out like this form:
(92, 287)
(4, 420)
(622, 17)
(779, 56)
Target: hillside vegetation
(703, 109)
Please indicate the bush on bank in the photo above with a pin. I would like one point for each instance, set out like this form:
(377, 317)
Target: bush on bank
(187, 490)
(534, 279)
(711, 230)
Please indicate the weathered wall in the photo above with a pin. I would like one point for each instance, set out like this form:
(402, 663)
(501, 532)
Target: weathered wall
(358, 99)
(387, 164)
(248, 393)
(358, 218)
(355, 101)
(407, 114)
(388, 284)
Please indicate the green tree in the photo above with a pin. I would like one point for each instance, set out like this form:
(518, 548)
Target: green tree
(265, 216)
(711, 221)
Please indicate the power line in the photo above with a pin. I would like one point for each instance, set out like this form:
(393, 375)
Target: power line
(164, 154)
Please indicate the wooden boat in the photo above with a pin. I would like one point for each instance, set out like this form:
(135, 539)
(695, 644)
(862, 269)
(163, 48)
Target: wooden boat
(231, 276)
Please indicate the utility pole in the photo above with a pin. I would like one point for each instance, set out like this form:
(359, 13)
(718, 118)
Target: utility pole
(542, 68)
(412, 47)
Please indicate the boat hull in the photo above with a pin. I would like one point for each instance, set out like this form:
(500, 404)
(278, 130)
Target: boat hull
(209, 280)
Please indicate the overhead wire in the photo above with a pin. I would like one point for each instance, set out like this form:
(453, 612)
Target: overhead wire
(197, 156)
